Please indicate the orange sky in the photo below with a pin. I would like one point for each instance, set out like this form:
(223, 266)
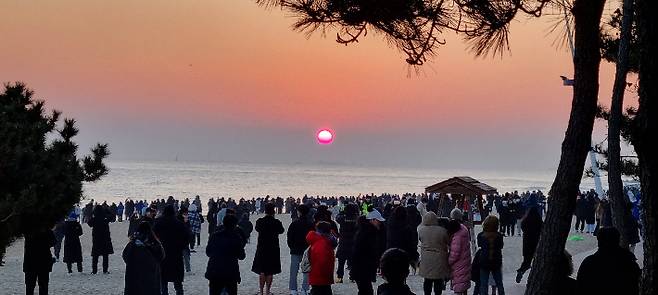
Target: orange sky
(231, 64)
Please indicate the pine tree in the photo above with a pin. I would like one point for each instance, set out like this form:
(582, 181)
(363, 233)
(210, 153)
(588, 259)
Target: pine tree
(41, 176)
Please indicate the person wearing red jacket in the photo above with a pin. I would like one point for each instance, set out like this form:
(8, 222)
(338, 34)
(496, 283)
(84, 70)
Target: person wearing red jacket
(321, 255)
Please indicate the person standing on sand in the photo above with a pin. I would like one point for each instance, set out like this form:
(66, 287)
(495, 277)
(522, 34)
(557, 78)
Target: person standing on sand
(433, 266)
(460, 253)
(225, 248)
(120, 208)
(321, 255)
(195, 220)
(365, 256)
(296, 239)
(174, 237)
(347, 221)
(143, 256)
(101, 240)
(37, 260)
(491, 257)
(267, 260)
(72, 247)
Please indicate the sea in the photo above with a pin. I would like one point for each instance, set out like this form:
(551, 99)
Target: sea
(148, 180)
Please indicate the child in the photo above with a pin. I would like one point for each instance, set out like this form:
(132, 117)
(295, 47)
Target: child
(322, 244)
(394, 267)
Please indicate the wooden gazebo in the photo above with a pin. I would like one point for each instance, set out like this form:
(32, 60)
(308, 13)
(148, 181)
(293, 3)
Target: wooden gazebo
(467, 189)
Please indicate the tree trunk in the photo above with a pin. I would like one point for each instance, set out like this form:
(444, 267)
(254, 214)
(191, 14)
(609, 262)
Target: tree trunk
(646, 124)
(618, 203)
(576, 144)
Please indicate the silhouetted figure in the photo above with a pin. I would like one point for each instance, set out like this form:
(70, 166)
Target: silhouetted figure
(347, 221)
(531, 226)
(174, 237)
(72, 246)
(38, 261)
(611, 270)
(365, 256)
(143, 256)
(225, 248)
(101, 240)
(395, 269)
(267, 260)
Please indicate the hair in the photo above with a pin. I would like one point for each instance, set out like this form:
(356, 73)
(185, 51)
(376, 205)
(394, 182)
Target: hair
(269, 208)
(394, 266)
(400, 213)
(303, 210)
(230, 221)
(169, 211)
(457, 214)
(323, 227)
(99, 211)
(143, 231)
(351, 210)
(490, 224)
(608, 237)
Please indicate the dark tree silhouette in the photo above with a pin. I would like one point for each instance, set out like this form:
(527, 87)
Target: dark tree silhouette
(40, 175)
(618, 201)
(414, 27)
(646, 128)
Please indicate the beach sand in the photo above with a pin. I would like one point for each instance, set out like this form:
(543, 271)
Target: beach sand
(12, 278)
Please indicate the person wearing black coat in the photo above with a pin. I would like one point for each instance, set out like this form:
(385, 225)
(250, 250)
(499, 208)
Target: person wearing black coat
(225, 248)
(246, 226)
(267, 260)
(143, 256)
(531, 226)
(296, 239)
(365, 254)
(38, 261)
(399, 234)
(101, 240)
(72, 247)
(347, 221)
(611, 270)
(174, 236)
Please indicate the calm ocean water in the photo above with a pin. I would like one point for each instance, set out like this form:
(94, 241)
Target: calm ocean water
(150, 180)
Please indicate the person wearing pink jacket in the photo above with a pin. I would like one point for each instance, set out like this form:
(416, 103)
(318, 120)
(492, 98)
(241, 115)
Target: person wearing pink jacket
(459, 258)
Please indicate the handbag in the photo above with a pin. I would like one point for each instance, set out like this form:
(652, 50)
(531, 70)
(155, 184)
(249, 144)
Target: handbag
(305, 265)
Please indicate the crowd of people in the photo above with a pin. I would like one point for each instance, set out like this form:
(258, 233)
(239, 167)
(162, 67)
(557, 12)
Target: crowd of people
(330, 240)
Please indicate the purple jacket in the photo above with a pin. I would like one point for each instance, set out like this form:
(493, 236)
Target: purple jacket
(460, 260)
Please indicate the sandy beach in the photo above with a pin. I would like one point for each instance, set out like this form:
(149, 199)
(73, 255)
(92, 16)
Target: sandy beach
(12, 281)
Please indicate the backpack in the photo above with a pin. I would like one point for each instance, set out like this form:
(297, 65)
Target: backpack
(305, 265)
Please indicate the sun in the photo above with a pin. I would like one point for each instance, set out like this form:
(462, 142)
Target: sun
(325, 136)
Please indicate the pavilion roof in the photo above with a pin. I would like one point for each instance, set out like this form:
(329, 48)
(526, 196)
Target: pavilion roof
(463, 185)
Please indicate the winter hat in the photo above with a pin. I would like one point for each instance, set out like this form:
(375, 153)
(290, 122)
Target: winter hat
(374, 214)
(457, 214)
(192, 208)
